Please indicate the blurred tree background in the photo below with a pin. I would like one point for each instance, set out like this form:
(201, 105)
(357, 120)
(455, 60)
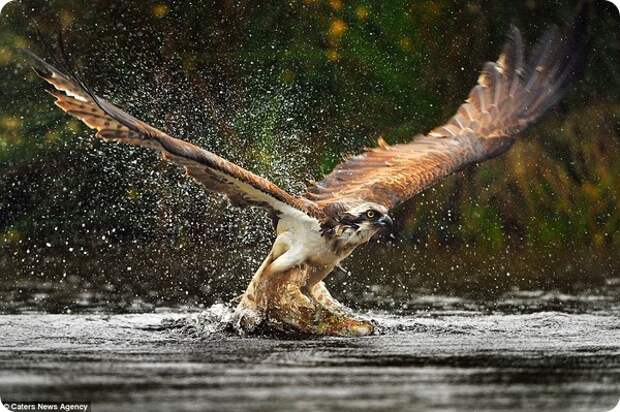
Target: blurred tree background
(288, 90)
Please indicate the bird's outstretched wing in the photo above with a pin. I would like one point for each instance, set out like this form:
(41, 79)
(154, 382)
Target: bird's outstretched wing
(241, 186)
(510, 95)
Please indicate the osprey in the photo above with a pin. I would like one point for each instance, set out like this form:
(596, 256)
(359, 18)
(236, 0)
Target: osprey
(317, 230)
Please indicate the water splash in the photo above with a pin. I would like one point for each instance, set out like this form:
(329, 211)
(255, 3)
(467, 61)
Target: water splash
(216, 320)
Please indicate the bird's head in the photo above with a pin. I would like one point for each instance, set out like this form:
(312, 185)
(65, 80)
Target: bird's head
(353, 223)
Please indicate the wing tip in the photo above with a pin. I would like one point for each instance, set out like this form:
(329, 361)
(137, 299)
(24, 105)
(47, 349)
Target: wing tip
(42, 68)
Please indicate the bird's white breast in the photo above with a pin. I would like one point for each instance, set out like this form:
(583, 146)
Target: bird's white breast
(304, 238)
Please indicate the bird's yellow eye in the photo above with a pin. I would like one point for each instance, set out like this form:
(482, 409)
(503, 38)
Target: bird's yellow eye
(370, 214)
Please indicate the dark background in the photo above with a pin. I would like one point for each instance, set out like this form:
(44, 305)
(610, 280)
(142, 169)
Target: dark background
(289, 89)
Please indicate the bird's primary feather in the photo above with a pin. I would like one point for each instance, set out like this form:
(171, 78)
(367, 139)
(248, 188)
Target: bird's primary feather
(510, 95)
(216, 174)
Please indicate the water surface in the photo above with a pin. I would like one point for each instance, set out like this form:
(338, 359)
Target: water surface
(444, 358)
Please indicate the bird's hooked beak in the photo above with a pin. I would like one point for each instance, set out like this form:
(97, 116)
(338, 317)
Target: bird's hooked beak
(386, 223)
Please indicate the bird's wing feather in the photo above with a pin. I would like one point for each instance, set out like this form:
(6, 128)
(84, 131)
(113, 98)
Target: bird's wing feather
(241, 186)
(511, 94)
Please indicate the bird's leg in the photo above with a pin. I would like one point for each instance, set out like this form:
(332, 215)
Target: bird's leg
(250, 308)
(251, 299)
(319, 293)
(277, 299)
(275, 290)
(288, 295)
(297, 308)
(281, 301)
(331, 317)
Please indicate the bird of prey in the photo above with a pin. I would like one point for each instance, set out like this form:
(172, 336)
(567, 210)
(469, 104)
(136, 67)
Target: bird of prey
(317, 230)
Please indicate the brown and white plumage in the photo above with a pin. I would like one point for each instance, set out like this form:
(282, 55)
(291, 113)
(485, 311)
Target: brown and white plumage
(351, 204)
(511, 94)
(241, 186)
